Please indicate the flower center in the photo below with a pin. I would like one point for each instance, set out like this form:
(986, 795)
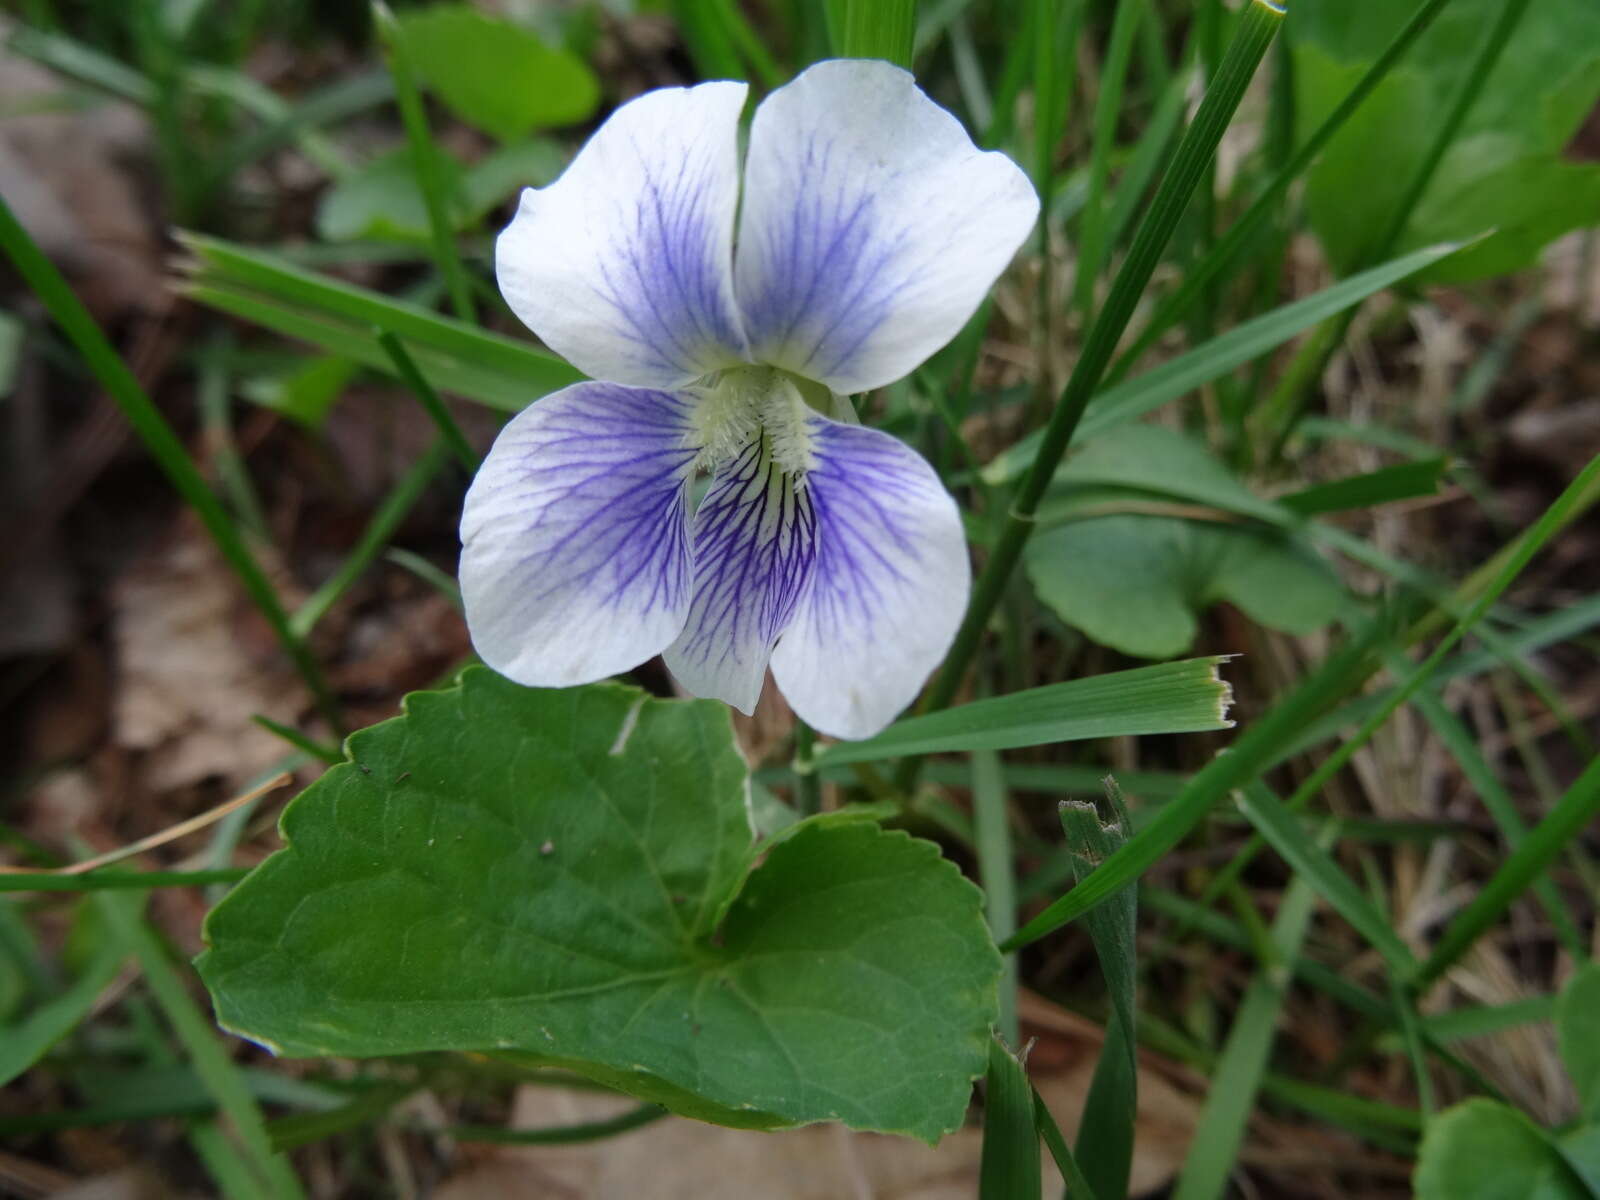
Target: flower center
(742, 404)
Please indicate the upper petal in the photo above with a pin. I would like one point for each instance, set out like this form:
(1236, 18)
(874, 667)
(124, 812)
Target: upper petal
(754, 542)
(624, 264)
(575, 556)
(888, 589)
(871, 226)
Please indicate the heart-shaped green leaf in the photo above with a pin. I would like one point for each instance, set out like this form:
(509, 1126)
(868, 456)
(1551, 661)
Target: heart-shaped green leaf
(1485, 1150)
(571, 875)
(1578, 1027)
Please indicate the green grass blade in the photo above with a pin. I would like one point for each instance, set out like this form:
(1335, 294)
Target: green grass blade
(1009, 1168)
(1077, 1185)
(425, 162)
(223, 1080)
(1403, 481)
(159, 439)
(1285, 834)
(1458, 740)
(1279, 412)
(262, 287)
(1180, 376)
(406, 367)
(1566, 821)
(1105, 1137)
(1266, 205)
(879, 29)
(1256, 28)
(374, 538)
(1338, 675)
(1179, 697)
(991, 820)
(558, 1135)
(25, 1042)
(1092, 227)
(117, 881)
(1237, 1076)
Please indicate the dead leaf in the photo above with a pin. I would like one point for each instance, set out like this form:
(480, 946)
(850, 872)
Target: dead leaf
(63, 174)
(194, 662)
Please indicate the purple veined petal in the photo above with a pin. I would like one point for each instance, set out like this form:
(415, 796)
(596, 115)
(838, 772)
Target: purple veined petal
(889, 586)
(871, 225)
(575, 537)
(624, 264)
(754, 544)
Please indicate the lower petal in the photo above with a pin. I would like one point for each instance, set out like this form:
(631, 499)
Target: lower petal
(575, 558)
(889, 586)
(754, 543)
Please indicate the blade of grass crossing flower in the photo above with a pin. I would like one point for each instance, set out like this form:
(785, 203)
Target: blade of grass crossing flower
(425, 163)
(1266, 205)
(1186, 696)
(394, 509)
(1282, 408)
(1566, 821)
(405, 366)
(1009, 1167)
(163, 444)
(879, 29)
(1107, 111)
(1256, 28)
(991, 820)
(1105, 1137)
(1237, 1075)
(222, 1078)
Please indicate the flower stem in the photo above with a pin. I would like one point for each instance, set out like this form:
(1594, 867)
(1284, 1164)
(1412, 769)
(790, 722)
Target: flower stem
(1255, 31)
(807, 787)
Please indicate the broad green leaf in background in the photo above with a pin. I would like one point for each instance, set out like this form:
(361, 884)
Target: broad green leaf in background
(1505, 170)
(1485, 1150)
(570, 875)
(1578, 1026)
(306, 392)
(1119, 560)
(382, 201)
(496, 74)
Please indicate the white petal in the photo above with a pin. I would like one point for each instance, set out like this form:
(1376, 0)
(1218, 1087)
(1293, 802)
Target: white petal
(624, 264)
(871, 227)
(575, 557)
(754, 542)
(889, 586)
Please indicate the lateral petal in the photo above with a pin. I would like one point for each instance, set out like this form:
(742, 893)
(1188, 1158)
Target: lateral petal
(575, 549)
